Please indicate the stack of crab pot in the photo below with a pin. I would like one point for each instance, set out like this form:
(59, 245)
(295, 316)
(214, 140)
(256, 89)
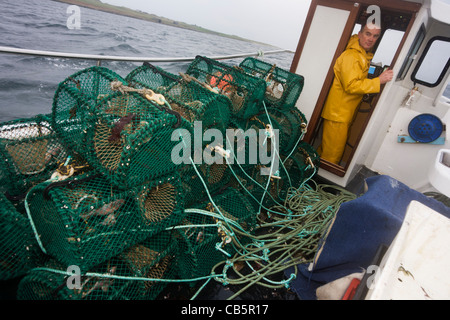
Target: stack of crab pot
(106, 211)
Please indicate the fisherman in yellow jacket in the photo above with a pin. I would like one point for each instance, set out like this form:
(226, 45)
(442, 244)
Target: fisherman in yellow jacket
(349, 86)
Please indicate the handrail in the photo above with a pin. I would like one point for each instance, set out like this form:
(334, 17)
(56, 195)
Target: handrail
(125, 58)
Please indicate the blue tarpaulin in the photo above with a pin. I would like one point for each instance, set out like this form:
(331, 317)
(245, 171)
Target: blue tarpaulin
(361, 226)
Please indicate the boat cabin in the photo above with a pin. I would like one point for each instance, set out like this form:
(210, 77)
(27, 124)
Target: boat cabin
(384, 135)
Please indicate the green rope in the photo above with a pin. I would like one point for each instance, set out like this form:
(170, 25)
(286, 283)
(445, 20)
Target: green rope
(30, 218)
(316, 208)
(302, 220)
(206, 187)
(272, 162)
(131, 278)
(250, 178)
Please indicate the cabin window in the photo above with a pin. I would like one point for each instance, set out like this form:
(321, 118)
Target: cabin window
(388, 46)
(433, 63)
(412, 53)
(386, 49)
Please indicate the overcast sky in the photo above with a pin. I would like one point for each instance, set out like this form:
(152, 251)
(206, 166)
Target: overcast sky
(275, 22)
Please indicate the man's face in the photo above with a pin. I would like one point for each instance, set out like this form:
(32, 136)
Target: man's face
(368, 37)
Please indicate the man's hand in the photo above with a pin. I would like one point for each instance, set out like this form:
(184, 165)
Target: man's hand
(386, 76)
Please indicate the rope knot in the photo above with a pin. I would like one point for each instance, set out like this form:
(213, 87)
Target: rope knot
(117, 86)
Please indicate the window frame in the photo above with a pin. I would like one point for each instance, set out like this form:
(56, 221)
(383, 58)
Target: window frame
(417, 43)
(423, 56)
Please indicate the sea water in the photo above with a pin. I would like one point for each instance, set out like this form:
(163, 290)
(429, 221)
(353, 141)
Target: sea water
(28, 83)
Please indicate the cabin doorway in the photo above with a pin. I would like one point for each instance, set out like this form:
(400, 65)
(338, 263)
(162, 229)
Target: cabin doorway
(397, 19)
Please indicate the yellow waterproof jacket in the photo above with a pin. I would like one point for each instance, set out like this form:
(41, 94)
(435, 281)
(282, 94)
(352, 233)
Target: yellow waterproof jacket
(350, 83)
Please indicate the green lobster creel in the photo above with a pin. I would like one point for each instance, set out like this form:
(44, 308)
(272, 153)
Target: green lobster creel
(283, 87)
(215, 176)
(125, 137)
(134, 144)
(92, 83)
(304, 160)
(301, 165)
(243, 145)
(245, 91)
(233, 205)
(30, 151)
(261, 122)
(294, 125)
(161, 202)
(155, 258)
(258, 189)
(151, 77)
(290, 123)
(19, 251)
(203, 234)
(122, 277)
(76, 95)
(185, 95)
(85, 220)
(74, 100)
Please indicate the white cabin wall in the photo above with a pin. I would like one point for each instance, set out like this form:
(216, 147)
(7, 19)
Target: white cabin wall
(408, 162)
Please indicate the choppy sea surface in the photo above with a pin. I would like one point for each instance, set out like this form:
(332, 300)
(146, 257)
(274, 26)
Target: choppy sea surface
(28, 83)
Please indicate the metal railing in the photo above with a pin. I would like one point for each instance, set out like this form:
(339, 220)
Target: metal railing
(100, 58)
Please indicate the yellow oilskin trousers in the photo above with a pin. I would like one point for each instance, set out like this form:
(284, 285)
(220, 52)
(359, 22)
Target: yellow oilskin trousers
(333, 140)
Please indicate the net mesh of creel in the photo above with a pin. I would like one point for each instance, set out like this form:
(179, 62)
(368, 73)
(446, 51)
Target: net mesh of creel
(84, 220)
(30, 152)
(283, 87)
(94, 207)
(187, 96)
(204, 237)
(245, 91)
(270, 190)
(136, 273)
(133, 147)
(289, 123)
(215, 176)
(19, 251)
(73, 100)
